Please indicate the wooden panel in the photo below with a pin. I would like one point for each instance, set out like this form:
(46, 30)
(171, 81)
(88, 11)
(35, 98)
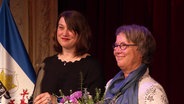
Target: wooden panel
(36, 21)
(19, 10)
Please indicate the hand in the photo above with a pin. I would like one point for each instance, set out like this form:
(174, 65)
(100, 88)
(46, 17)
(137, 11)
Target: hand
(45, 98)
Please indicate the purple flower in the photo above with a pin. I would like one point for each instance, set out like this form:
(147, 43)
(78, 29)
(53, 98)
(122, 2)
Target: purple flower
(73, 98)
(64, 99)
(76, 95)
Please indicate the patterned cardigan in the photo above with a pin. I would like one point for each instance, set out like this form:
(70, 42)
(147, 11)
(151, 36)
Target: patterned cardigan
(150, 91)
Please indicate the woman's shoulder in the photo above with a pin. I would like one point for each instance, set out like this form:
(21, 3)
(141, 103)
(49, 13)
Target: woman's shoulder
(90, 58)
(150, 91)
(147, 81)
(92, 64)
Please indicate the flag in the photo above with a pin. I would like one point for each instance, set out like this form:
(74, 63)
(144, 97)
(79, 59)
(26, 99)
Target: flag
(16, 71)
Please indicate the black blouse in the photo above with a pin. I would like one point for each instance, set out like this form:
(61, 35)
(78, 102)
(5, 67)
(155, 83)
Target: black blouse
(68, 76)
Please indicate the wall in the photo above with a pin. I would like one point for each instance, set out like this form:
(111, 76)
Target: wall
(36, 21)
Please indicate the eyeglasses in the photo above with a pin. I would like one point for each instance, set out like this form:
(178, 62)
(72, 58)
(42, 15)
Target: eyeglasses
(122, 45)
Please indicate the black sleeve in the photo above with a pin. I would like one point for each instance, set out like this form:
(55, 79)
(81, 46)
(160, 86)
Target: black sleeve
(50, 81)
(94, 78)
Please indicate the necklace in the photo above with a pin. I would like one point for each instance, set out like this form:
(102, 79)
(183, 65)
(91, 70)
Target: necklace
(65, 59)
(64, 62)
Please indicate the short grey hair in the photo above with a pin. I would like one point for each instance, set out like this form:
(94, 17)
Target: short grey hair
(142, 37)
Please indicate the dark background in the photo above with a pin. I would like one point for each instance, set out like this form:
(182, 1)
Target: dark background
(164, 18)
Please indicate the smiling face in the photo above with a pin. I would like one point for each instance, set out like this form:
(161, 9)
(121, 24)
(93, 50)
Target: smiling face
(66, 38)
(128, 59)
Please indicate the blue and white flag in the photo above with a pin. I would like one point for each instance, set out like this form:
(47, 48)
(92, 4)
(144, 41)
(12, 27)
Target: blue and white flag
(16, 71)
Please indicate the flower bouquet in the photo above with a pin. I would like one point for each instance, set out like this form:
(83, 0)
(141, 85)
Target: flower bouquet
(80, 97)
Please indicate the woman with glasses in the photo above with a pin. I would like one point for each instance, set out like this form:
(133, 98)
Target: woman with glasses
(133, 50)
